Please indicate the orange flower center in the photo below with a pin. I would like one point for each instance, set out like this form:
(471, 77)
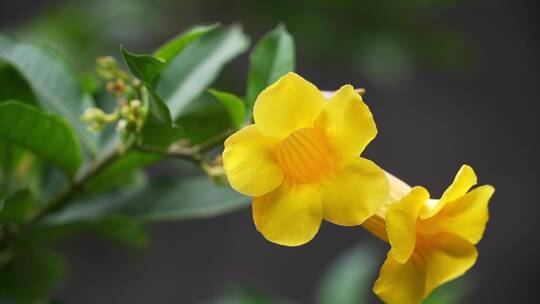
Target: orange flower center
(304, 155)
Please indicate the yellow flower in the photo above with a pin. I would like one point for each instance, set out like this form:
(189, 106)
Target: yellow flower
(300, 161)
(433, 241)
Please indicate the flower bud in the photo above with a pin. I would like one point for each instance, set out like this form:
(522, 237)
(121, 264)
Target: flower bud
(116, 87)
(121, 127)
(135, 104)
(106, 67)
(92, 114)
(96, 116)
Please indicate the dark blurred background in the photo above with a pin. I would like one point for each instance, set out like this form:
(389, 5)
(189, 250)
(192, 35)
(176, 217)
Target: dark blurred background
(449, 82)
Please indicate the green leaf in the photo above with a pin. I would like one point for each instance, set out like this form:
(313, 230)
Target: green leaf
(242, 295)
(159, 129)
(133, 178)
(173, 47)
(449, 293)
(54, 180)
(16, 207)
(348, 280)
(9, 158)
(144, 67)
(118, 170)
(17, 88)
(204, 118)
(186, 198)
(19, 169)
(31, 276)
(123, 229)
(272, 57)
(45, 134)
(30, 173)
(52, 81)
(191, 72)
(234, 105)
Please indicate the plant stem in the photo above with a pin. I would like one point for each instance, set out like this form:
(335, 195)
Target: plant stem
(212, 142)
(63, 197)
(193, 154)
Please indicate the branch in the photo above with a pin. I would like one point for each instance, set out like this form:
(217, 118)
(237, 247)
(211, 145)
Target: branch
(190, 153)
(193, 154)
(213, 142)
(63, 197)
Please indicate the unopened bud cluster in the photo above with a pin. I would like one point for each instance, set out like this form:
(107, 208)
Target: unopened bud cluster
(130, 113)
(98, 119)
(107, 68)
(133, 114)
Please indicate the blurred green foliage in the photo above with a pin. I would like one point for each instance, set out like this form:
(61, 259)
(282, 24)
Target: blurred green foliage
(349, 278)
(381, 40)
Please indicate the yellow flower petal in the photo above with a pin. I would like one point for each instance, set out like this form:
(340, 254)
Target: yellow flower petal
(290, 215)
(447, 257)
(401, 223)
(464, 180)
(289, 104)
(347, 121)
(466, 216)
(400, 283)
(249, 162)
(355, 193)
(437, 260)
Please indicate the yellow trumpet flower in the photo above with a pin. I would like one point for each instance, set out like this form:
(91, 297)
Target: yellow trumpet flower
(432, 241)
(300, 161)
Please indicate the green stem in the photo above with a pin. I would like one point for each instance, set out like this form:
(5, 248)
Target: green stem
(63, 197)
(192, 153)
(212, 142)
(180, 153)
